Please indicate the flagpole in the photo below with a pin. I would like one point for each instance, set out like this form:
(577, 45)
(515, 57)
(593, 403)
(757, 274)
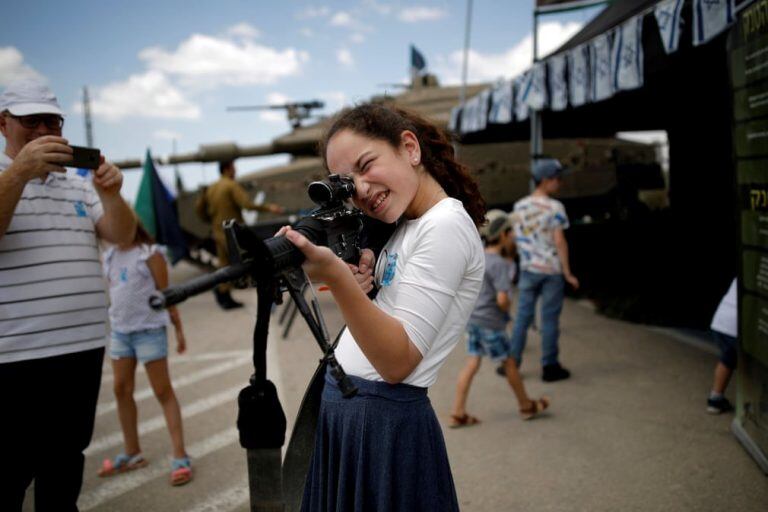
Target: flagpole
(537, 140)
(536, 132)
(465, 60)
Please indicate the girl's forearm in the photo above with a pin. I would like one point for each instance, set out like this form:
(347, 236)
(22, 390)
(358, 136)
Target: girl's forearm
(173, 313)
(380, 336)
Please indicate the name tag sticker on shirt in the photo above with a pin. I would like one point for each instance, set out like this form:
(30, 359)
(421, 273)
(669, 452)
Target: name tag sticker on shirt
(80, 209)
(389, 270)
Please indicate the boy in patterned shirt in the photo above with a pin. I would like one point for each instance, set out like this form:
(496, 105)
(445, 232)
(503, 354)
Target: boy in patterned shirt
(539, 224)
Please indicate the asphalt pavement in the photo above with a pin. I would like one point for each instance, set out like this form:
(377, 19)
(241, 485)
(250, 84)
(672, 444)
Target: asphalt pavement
(627, 432)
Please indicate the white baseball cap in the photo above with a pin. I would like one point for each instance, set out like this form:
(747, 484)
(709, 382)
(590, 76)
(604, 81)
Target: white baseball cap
(497, 221)
(27, 97)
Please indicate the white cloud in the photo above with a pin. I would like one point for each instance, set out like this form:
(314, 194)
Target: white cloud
(149, 94)
(275, 116)
(357, 38)
(307, 32)
(243, 30)
(205, 61)
(342, 19)
(313, 12)
(379, 7)
(12, 67)
(344, 56)
(417, 14)
(489, 67)
(164, 134)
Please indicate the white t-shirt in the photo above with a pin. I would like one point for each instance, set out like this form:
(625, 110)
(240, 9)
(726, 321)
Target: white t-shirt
(535, 220)
(130, 286)
(726, 316)
(52, 295)
(429, 275)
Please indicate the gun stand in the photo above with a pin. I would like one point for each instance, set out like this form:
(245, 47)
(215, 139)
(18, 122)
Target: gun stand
(261, 420)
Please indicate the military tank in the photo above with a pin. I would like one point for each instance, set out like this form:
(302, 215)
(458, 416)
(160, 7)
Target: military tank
(594, 190)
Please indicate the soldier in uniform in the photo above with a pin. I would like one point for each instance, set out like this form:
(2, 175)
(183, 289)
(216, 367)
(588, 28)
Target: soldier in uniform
(221, 201)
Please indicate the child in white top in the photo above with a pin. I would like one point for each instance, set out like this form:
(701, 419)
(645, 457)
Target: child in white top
(133, 272)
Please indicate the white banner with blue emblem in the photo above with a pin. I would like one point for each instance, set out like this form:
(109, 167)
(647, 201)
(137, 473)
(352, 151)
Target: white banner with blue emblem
(668, 20)
(558, 87)
(474, 115)
(484, 100)
(710, 18)
(501, 103)
(521, 85)
(467, 115)
(600, 61)
(537, 91)
(627, 55)
(578, 76)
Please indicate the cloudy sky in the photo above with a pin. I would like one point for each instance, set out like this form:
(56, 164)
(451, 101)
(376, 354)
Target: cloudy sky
(159, 71)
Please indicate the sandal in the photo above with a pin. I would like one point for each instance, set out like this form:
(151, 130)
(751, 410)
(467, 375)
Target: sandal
(463, 421)
(121, 464)
(536, 408)
(181, 471)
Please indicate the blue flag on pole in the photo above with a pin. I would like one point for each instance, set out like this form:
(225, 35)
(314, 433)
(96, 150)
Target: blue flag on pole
(418, 62)
(156, 209)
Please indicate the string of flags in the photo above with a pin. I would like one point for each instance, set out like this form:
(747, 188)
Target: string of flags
(595, 70)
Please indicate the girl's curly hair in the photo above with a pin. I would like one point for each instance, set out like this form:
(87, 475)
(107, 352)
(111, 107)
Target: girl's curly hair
(437, 155)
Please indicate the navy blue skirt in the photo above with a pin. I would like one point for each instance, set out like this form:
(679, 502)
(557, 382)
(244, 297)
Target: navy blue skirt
(381, 450)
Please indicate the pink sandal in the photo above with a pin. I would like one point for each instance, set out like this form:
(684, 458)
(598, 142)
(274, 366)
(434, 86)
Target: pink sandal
(121, 464)
(181, 471)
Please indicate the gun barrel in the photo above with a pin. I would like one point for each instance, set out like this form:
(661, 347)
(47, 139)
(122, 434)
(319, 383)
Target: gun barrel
(181, 292)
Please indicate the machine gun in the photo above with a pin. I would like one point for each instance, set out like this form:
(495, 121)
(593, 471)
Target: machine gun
(296, 112)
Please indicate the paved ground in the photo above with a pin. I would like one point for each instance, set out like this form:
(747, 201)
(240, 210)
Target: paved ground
(627, 432)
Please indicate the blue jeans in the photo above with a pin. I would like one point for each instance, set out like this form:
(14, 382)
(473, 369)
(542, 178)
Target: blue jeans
(551, 288)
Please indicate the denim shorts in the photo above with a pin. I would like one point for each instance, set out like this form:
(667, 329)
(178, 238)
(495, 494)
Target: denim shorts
(147, 345)
(488, 342)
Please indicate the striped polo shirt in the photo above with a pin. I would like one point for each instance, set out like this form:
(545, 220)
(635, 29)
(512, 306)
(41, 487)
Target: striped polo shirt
(52, 293)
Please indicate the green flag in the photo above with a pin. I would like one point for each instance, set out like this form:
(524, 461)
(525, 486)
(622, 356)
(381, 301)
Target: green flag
(144, 206)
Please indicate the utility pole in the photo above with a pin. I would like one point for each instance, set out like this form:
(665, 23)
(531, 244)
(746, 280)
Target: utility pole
(87, 113)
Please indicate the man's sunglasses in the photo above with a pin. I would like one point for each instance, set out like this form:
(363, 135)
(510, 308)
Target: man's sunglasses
(51, 121)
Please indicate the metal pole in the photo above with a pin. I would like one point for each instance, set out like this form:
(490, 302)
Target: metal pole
(87, 114)
(465, 63)
(535, 115)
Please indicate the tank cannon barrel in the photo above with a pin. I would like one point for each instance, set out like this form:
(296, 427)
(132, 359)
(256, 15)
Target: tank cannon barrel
(218, 153)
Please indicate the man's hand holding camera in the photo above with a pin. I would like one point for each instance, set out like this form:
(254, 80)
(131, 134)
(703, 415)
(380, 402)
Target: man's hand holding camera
(107, 179)
(40, 156)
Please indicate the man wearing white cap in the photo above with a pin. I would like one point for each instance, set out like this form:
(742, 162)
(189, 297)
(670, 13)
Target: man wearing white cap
(53, 305)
